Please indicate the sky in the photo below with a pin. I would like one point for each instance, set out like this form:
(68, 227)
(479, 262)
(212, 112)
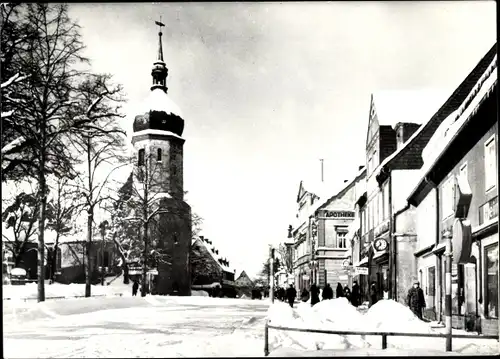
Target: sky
(268, 89)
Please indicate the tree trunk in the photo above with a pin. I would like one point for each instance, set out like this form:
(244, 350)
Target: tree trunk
(88, 269)
(144, 262)
(125, 273)
(41, 221)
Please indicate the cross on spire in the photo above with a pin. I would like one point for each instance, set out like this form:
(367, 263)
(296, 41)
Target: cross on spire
(160, 47)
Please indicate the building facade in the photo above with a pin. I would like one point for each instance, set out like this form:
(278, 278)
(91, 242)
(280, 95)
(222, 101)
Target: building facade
(465, 150)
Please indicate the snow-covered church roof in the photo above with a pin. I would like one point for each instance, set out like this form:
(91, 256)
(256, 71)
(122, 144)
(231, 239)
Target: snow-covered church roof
(213, 253)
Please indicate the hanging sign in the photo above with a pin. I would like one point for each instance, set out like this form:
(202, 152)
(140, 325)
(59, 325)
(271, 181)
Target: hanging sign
(462, 241)
(361, 270)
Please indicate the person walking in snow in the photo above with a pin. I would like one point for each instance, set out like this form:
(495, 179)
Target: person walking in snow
(305, 295)
(355, 296)
(340, 291)
(314, 294)
(347, 293)
(291, 293)
(282, 294)
(373, 294)
(416, 300)
(327, 292)
(135, 287)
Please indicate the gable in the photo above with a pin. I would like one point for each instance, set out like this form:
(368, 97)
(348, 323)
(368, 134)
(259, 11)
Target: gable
(373, 124)
(301, 192)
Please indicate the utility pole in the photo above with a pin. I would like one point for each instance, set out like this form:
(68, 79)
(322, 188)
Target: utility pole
(447, 300)
(322, 160)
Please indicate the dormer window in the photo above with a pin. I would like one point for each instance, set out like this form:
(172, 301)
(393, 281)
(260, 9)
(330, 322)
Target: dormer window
(159, 155)
(141, 157)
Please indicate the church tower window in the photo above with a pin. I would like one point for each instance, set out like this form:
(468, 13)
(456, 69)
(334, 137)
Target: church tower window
(159, 155)
(141, 157)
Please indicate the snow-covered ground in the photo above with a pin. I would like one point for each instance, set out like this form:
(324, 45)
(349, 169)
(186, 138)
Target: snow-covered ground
(163, 326)
(154, 326)
(57, 290)
(338, 314)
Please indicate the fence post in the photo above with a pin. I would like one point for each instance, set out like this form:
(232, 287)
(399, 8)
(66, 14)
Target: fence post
(266, 339)
(384, 341)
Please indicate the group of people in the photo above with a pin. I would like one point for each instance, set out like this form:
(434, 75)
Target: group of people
(290, 294)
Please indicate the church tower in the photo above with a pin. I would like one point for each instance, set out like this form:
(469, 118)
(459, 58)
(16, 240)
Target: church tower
(158, 147)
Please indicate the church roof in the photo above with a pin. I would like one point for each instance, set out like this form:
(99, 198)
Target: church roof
(158, 111)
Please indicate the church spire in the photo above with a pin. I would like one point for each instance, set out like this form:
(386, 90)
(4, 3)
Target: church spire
(159, 71)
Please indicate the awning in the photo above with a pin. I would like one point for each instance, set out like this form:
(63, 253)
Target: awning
(362, 262)
(353, 229)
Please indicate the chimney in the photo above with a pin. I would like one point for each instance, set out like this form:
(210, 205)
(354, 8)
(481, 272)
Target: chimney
(404, 130)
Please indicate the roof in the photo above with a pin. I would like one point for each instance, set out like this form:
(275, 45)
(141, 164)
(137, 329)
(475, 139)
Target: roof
(159, 100)
(453, 125)
(428, 128)
(413, 106)
(212, 254)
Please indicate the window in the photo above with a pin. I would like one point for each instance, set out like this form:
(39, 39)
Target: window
(490, 164)
(491, 272)
(159, 155)
(141, 157)
(375, 210)
(341, 239)
(380, 203)
(463, 171)
(431, 284)
(447, 192)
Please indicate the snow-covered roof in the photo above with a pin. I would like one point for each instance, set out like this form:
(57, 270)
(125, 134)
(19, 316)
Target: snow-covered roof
(454, 123)
(155, 132)
(158, 100)
(215, 256)
(414, 106)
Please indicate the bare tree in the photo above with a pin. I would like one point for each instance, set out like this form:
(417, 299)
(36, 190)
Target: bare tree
(62, 208)
(21, 218)
(101, 140)
(285, 257)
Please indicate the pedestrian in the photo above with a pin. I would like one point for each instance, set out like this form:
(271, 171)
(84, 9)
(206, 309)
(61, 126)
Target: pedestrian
(347, 293)
(282, 294)
(416, 300)
(291, 293)
(340, 291)
(314, 294)
(327, 292)
(135, 287)
(373, 294)
(356, 295)
(304, 295)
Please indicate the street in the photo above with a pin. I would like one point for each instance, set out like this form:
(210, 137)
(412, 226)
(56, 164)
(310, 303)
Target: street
(134, 327)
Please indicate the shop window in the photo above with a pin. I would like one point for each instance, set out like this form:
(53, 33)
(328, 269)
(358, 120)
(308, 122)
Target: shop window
(491, 272)
(490, 163)
(457, 288)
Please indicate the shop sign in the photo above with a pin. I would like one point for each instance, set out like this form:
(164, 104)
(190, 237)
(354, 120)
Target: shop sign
(382, 228)
(488, 211)
(361, 270)
(338, 214)
(462, 241)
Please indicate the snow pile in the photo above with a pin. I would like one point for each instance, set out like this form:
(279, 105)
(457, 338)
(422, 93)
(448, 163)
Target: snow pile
(58, 290)
(199, 293)
(338, 314)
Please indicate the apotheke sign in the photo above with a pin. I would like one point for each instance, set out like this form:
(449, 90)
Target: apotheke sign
(338, 214)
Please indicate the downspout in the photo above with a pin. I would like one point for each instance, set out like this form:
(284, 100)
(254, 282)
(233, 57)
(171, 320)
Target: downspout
(392, 245)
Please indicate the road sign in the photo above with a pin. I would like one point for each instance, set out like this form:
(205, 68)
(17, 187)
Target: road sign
(361, 270)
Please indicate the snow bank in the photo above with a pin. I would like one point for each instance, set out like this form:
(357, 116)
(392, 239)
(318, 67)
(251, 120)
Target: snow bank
(58, 290)
(339, 314)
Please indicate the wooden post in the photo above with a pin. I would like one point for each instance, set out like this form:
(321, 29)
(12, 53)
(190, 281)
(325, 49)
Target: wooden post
(384, 341)
(266, 339)
(271, 274)
(447, 300)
